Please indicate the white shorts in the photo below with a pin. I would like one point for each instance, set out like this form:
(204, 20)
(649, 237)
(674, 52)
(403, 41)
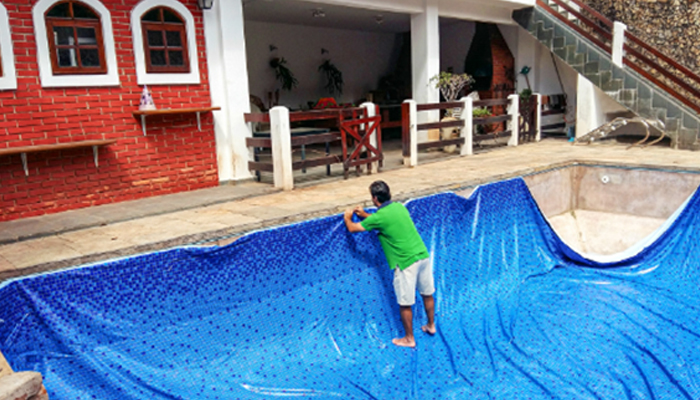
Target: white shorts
(420, 275)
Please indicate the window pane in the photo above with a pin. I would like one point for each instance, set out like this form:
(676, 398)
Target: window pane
(81, 11)
(170, 16)
(66, 58)
(90, 57)
(173, 38)
(60, 10)
(86, 36)
(153, 15)
(155, 38)
(176, 58)
(158, 57)
(63, 35)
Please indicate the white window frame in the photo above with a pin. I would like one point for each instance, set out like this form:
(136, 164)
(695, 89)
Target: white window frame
(160, 78)
(48, 79)
(8, 80)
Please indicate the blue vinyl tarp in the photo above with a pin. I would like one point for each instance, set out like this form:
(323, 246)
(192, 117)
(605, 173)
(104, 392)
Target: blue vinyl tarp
(308, 311)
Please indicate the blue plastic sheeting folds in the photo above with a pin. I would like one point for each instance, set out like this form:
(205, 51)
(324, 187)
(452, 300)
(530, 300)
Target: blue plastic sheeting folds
(308, 311)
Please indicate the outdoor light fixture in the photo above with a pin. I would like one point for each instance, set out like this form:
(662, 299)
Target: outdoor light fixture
(379, 19)
(318, 13)
(205, 4)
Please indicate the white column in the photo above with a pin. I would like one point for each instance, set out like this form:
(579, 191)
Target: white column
(281, 136)
(228, 84)
(514, 112)
(425, 59)
(412, 160)
(467, 132)
(618, 50)
(538, 115)
(371, 112)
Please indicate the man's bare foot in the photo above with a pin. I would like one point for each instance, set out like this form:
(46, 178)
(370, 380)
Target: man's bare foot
(429, 329)
(403, 342)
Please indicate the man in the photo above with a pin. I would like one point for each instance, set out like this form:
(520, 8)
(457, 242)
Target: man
(406, 253)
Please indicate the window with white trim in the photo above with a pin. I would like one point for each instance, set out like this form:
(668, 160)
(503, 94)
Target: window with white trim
(164, 41)
(75, 39)
(165, 46)
(8, 78)
(75, 43)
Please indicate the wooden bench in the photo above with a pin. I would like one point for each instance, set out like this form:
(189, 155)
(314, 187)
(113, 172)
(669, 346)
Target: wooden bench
(22, 151)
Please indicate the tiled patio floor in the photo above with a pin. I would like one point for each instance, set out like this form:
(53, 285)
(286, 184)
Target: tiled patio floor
(217, 215)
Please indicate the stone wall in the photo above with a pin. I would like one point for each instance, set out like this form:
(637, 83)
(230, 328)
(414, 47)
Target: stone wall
(672, 26)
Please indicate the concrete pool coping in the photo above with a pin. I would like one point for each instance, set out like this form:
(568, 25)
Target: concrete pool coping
(219, 223)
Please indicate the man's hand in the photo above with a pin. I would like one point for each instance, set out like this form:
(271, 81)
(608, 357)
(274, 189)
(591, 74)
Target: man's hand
(352, 226)
(360, 212)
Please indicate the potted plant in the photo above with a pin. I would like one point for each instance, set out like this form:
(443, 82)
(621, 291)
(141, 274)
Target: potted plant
(482, 112)
(450, 86)
(334, 77)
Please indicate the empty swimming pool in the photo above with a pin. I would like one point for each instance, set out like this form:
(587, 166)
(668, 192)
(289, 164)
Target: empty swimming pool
(307, 310)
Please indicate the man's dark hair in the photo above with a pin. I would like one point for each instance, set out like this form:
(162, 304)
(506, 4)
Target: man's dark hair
(380, 190)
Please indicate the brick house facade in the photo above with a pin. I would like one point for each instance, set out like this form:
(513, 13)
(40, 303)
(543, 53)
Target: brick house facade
(173, 156)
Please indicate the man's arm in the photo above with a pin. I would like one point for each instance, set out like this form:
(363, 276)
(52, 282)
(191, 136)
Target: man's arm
(352, 226)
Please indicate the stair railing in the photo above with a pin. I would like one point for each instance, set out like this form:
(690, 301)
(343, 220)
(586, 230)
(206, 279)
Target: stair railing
(638, 54)
(594, 32)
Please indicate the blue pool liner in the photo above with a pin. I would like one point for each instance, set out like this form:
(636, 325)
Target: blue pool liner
(308, 310)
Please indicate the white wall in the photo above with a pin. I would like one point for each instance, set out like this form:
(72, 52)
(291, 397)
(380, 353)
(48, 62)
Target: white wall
(593, 107)
(362, 57)
(546, 75)
(455, 41)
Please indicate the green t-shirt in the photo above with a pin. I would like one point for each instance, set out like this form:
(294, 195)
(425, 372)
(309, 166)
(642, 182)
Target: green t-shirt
(398, 235)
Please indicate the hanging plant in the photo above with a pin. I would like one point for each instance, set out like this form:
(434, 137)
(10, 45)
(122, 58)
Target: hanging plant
(334, 78)
(283, 74)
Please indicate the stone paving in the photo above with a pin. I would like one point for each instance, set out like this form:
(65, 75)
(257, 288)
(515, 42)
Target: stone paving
(100, 233)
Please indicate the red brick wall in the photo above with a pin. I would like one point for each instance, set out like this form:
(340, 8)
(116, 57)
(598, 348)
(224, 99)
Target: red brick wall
(173, 157)
(503, 79)
(503, 83)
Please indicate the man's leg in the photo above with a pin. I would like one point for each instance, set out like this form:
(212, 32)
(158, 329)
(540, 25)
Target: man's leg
(429, 303)
(407, 321)
(426, 287)
(405, 289)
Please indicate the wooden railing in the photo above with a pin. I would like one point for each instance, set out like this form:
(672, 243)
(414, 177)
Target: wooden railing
(667, 74)
(471, 130)
(660, 69)
(490, 127)
(311, 115)
(346, 125)
(405, 133)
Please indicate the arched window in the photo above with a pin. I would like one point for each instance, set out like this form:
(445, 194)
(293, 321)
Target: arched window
(165, 41)
(75, 39)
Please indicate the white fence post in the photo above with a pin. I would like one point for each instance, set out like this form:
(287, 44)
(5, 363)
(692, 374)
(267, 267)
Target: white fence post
(467, 132)
(618, 44)
(281, 137)
(371, 112)
(412, 161)
(513, 123)
(538, 115)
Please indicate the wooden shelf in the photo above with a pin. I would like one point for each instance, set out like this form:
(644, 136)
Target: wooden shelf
(173, 111)
(22, 151)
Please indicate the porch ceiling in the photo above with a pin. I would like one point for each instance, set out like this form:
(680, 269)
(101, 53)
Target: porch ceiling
(297, 12)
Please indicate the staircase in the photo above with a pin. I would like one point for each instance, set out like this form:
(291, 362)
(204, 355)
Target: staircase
(585, 46)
